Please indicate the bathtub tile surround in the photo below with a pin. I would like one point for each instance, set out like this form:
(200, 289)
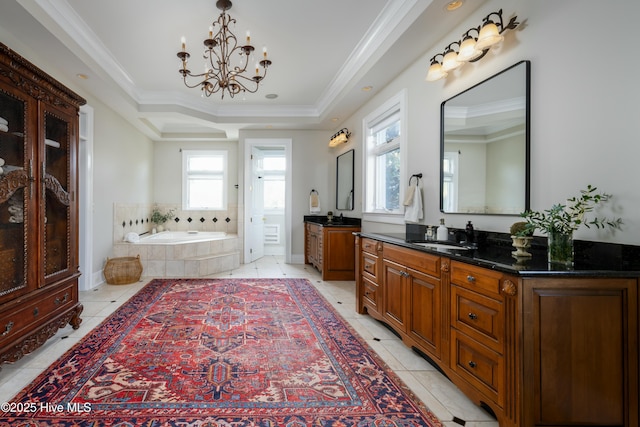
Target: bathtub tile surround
(194, 259)
(187, 258)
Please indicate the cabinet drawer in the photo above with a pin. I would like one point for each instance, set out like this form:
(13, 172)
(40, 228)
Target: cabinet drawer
(371, 246)
(41, 307)
(371, 267)
(421, 261)
(476, 278)
(479, 317)
(370, 294)
(478, 365)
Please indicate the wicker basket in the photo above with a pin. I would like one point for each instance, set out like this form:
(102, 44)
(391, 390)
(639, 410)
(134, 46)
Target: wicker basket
(122, 271)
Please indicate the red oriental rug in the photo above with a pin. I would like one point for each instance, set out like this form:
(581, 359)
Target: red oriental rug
(220, 352)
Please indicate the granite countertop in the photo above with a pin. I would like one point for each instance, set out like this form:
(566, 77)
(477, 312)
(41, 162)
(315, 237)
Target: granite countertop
(590, 259)
(336, 222)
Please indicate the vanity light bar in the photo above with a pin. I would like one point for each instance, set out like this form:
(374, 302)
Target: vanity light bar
(470, 48)
(341, 137)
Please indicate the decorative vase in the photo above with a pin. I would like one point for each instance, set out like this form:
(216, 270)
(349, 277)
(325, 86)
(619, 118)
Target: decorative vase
(159, 228)
(560, 248)
(521, 244)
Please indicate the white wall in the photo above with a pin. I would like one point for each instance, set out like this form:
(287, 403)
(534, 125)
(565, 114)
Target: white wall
(123, 161)
(585, 117)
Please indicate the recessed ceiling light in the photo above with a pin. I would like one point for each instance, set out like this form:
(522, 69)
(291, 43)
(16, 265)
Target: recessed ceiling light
(453, 5)
(367, 88)
(271, 96)
(82, 76)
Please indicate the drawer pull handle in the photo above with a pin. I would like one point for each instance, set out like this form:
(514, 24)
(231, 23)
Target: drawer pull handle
(36, 311)
(472, 364)
(471, 279)
(472, 316)
(7, 328)
(59, 301)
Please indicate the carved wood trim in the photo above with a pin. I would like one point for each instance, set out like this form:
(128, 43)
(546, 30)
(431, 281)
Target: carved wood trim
(11, 182)
(35, 82)
(509, 288)
(34, 340)
(53, 185)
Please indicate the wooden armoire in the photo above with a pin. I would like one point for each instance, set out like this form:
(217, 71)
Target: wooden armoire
(38, 206)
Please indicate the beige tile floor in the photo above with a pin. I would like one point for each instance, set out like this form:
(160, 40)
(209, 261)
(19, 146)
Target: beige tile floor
(440, 395)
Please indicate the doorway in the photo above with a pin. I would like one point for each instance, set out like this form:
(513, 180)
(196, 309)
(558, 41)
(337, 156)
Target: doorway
(267, 196)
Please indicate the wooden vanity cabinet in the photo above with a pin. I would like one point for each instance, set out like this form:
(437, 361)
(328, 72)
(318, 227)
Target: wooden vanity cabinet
(412, 296)
(580, 351)
(479, 354)
(369, 276)
(331, 250)
(38, 207)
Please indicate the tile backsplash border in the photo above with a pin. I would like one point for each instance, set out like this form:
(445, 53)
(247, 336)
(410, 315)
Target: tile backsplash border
(136, 218)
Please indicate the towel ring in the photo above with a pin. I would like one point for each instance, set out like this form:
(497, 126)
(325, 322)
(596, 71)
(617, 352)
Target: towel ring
(417, 176)
(314, 191)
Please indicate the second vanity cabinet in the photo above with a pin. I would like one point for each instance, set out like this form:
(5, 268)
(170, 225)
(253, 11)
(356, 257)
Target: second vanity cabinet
(331, 249)
(536, 349)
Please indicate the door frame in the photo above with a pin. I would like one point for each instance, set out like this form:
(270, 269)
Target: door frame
(285, 143)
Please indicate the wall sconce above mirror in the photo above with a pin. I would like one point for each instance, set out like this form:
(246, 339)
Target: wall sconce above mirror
(340, 137)
(484, 147)
(474, 45)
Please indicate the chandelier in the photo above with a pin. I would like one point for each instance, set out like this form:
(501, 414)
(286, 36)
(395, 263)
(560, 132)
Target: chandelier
(226, 62)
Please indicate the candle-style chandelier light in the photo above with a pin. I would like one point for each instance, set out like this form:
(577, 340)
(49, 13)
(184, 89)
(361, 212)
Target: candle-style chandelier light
(226, 61)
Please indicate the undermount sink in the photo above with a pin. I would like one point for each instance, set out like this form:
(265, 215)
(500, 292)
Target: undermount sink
(442, 246)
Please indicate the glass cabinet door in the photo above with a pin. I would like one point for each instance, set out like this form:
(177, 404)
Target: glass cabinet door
(16, 187)
(56, 188)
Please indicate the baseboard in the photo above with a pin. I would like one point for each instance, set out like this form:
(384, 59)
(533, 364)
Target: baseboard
(297, 258)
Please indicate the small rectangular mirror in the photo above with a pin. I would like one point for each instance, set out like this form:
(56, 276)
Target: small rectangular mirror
(484, 147)
(344, 181)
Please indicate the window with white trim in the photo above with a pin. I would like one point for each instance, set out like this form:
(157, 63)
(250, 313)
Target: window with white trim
(384, 163)
(204, 180)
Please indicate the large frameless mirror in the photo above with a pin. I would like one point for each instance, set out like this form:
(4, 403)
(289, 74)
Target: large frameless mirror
(485, 146)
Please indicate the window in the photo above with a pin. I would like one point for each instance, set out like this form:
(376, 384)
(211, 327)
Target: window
(384, 162)
(274, 168)
(204, 180)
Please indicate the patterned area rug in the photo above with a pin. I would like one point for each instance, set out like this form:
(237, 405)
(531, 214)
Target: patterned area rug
(220, 352)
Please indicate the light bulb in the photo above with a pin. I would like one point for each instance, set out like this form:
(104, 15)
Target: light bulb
(435, 72)
(489, 35)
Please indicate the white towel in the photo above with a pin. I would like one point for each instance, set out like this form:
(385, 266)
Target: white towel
(52, 143)
(413, 211)
(3, 121)
(314, 202)
(4, 128)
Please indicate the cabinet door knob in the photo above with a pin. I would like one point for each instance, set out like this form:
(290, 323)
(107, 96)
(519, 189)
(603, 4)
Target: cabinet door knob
(470, 278)
(472, 364)
(472, 316)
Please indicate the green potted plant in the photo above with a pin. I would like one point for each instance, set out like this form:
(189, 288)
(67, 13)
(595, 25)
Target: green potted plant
(561, 220)
(521, 234)
(159, 218)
